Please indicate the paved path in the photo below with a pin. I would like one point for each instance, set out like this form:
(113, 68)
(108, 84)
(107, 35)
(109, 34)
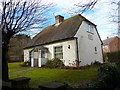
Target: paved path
(21, 70)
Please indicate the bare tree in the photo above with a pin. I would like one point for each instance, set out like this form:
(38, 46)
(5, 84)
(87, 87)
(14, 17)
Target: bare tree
(114, 16)
(82, 7)
(18, 16)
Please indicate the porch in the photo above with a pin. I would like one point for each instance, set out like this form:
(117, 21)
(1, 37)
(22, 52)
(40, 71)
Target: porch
(38, 56)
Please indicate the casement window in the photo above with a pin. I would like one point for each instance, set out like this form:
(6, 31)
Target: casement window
(95, 50)
(42, 54)
(90, 28)
(35, 55)
(58, 52)
(90, 36)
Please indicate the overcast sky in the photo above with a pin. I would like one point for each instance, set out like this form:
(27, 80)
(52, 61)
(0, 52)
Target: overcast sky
(100, 15)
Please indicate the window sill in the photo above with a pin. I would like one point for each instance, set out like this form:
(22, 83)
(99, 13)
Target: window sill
(90, 32)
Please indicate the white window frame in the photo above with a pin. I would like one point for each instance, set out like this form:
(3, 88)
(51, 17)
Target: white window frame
(43, 54)
(90, 28)
(58, 52)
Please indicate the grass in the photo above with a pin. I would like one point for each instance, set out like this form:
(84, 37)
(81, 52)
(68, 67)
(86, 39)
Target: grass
(40, 76)
(13, 67)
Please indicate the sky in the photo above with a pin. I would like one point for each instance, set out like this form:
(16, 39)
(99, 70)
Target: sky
(101, 15)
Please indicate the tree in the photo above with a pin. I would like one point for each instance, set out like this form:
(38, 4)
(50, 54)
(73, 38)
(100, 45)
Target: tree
(82, 7)
(18, 16)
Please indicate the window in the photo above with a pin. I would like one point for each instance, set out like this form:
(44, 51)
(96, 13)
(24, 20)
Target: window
(35, 55)
(90, 37)
(95, 50)
(90, 28)
(42, 54)
(58, 52)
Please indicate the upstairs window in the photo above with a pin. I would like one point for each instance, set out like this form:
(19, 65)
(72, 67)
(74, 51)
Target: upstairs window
(90, 37)
(90, 28)
(58, 52)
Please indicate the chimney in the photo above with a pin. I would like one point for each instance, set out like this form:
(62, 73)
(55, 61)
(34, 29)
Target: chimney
(59, 19)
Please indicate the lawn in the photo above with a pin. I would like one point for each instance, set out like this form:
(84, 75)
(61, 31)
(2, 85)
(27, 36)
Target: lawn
(40, 76)
(15, 67)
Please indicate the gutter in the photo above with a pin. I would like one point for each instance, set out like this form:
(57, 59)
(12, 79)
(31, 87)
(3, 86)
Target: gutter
(77, 51)
(50, 42)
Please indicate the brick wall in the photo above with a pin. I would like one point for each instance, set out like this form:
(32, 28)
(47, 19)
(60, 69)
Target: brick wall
(115, 45)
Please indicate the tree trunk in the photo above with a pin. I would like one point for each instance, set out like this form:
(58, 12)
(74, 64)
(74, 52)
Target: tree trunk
(5, 47)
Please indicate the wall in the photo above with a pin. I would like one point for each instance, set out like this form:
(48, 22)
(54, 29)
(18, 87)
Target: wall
(115, 45)
(26, 54)
(69, 55)
(106, 49)
(87, 54)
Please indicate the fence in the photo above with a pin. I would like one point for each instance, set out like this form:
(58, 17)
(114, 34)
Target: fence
(16, 58)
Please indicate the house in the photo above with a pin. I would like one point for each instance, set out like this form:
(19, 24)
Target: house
(75, 38)
(111, 44)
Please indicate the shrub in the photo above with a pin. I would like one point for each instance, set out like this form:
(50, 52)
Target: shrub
(54, 63)
(108, 77)
(96, 63)
(114, 56)
(49, 64)
(27, 63)
(118, 65)
(105, 57)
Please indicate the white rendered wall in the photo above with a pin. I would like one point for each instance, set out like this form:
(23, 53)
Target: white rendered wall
(26, 54)
(69, 55)
(86, 46)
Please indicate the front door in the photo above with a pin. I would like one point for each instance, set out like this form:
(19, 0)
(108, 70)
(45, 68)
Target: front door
(35, 59)
(35, 62)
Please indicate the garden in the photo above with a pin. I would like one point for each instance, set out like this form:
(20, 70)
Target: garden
(95, 76)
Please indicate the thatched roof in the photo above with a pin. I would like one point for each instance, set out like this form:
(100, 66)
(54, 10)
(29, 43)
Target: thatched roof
(67, 29)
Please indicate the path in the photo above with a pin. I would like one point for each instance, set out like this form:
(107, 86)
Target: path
(21, 70)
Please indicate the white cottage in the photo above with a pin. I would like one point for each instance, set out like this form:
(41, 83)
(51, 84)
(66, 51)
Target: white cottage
(75, 38)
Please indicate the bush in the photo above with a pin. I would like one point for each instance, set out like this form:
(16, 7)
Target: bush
(108, 77)
(54, 63)
(105, 57)
(27, 63)
(49, 64)
(118, 65)
(96, 63)
(114, 56)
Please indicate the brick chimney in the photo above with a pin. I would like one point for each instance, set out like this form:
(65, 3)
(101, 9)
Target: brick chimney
(59, 19)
